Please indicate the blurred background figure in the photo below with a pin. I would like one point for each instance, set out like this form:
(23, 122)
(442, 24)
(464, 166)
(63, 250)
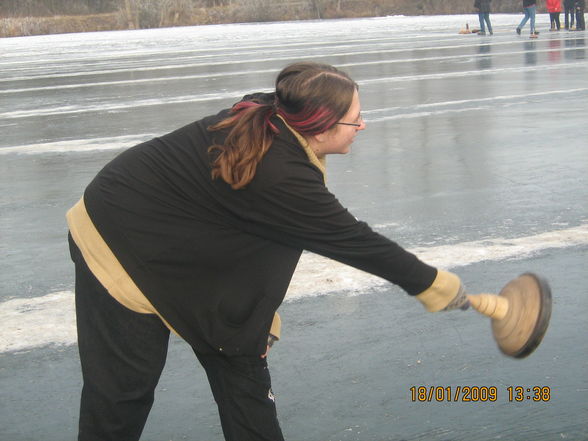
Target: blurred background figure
(530, 9)
(580, 23)
(570, 13)
(483, 7)
(554, 9)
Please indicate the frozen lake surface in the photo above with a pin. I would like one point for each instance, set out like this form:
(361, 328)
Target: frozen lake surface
(475, 157)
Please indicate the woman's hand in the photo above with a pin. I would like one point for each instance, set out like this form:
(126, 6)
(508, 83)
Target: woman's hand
(266, 352)
(270, 342)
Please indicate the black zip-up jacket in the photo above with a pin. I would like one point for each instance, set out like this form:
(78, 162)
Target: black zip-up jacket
(216, 262)
(482, 5)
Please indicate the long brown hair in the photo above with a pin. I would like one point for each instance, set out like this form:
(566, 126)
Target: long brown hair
(310, 97)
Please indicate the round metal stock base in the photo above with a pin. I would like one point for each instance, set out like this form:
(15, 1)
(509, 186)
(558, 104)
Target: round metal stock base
(529, 311)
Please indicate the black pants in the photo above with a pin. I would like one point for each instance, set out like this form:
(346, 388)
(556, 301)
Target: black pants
(554, 18)
(580, 23)
(570, 16)
(122, 355)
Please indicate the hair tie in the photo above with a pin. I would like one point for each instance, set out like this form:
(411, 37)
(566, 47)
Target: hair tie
(269, 123)
(276, 104)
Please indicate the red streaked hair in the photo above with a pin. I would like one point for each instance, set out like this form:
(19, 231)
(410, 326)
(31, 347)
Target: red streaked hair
(309, 123)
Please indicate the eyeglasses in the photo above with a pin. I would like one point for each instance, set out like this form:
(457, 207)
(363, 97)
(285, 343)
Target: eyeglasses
(352, 124)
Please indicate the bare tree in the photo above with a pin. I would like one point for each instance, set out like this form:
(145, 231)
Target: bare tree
(317, 6)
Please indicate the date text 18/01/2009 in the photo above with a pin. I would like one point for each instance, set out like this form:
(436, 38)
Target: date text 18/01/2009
(476, 394)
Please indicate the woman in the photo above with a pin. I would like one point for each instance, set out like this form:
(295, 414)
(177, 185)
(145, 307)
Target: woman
(554, 9)
(530, 9)
(483, 7)
(199, 231)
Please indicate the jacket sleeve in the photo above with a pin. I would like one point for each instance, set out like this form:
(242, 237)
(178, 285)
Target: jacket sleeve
(299, 211)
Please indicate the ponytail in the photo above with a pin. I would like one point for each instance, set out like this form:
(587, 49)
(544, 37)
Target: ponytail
(249, 139)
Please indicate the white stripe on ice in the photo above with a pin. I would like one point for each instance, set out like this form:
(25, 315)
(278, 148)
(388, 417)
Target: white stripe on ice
(39, 321)
(79, 145)
(371, 116)
(205, 64)
(470, 73)
(50, 319)
(208, 75)
(316, 275)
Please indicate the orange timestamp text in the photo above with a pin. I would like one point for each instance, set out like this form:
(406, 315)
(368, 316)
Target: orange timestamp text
(476, 394)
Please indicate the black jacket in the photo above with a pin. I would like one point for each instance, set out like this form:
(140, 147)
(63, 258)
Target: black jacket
(482, 5)
(216, 262)
(527, 3)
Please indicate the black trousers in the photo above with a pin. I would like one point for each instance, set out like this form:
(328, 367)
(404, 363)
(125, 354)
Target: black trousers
(554, 19)
(123, 353)
(580, 23)
(570, 15)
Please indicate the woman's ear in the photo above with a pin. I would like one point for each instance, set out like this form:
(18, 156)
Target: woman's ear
(321, 137)
(316, 141)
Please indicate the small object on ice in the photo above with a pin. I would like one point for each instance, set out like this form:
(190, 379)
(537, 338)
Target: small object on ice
(465, 30)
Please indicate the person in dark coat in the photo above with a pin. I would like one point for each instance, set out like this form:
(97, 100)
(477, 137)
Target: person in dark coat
(530, 9)
(483, 7)
(570, 13)
(199, 232)
(580, 23)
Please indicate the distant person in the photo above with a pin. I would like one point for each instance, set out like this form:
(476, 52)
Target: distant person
(554, 9)
(483, 7)
(580, 23)
(530, 9)
(570, 14)
(199, 231)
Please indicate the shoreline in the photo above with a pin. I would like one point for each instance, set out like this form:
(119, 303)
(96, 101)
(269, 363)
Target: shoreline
(24, 26)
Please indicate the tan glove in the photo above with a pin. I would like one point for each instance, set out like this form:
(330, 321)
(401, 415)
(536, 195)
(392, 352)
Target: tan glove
(446, 293)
